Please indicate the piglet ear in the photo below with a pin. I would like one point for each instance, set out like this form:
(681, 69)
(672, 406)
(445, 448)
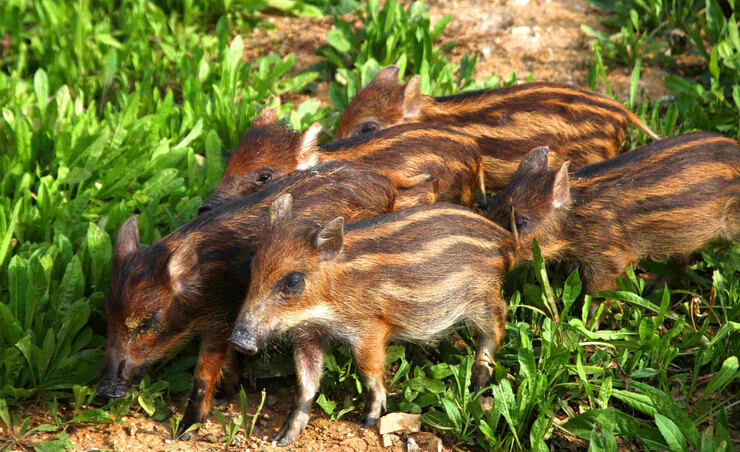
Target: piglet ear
(561, 187)
(388, 74)
(535, 162)
(308, 153)
(127, 242)
(266, 116)
(281, 209)
(411, 101)
(330, 239)
(183, 266)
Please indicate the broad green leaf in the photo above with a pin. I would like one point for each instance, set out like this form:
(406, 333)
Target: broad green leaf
(726, 374)
(506, 405)
(453, 413)
(673, 436)
(571, 290)
(214, 162)
(605, 393)
(336, 39)
(195, 133)
(95, 415)
(5, 244)
(100, 249)
(634, 82)
(73, 285)
(327, 405)
(527, 366)
(147, 403)
(41, 88)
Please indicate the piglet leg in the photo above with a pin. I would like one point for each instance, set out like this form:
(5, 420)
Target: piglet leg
(308, 353)
(213, 357)
(491, 330)
(370, 357)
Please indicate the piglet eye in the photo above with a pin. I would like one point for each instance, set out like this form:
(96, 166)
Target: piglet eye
(148, 322)
(264, 177)
(370, 127)
(294, 283)
(521, 222)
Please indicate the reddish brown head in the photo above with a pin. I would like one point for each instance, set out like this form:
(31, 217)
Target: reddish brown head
(383, 103)
(145, 319)
(287, 284)
(534, 201)
(269, 151)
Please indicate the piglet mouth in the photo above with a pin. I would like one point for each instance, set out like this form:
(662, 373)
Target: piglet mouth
(244, 341)
(115, 389)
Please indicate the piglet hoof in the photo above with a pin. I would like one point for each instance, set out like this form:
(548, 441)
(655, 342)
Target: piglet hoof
(185, 424)
(481, 375)
(186, 436)
(285, 441)
(293, 426)
(223, 396)
(282, 439)
(368, 421)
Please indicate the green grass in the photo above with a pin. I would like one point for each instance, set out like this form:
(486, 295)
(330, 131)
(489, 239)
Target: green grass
(111, 108)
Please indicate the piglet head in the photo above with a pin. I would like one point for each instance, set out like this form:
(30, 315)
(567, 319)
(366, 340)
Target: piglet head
(381, 104)
(287, 289)
(146, 309)
(534, 199)
(267, 152)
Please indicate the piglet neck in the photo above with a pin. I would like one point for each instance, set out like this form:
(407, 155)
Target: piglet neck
(552, 245)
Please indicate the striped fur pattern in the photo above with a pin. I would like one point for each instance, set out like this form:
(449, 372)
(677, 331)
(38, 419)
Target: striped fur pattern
(668, 198)
(194, 280)
(578, 125)
(426, 163)
(409, 275)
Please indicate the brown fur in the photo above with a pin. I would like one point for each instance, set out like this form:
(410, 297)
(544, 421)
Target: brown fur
(410, 275)
(668, 198)
(193, 281)
(426, 163)
(578, 125)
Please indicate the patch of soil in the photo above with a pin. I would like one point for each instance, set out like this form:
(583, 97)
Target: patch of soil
(542, 38)
(134, 434)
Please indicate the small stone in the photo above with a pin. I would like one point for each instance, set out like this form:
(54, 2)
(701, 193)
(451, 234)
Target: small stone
(131, 430)
(399, 422)
(524, 30)
(117, 439)
(486, 403)
(389, 440)
(428, 442)
(211, 438)
(354, 444)
(411, 445)
(168, 441)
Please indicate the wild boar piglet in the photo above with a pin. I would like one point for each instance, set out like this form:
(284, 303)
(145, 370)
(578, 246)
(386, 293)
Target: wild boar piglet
(193, 281)
(409, 275)
(580, 126)
(427, 163)
(667, 198)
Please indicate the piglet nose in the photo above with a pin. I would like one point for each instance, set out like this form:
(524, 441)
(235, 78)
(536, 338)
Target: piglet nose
(242, 340)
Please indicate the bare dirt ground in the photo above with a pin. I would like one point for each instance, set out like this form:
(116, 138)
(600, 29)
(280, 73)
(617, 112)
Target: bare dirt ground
(538, 37)
(542, 38)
